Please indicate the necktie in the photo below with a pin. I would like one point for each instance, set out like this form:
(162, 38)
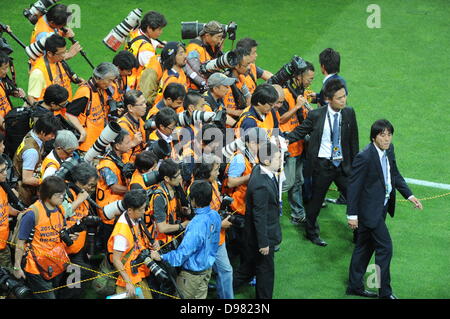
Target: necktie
(386, 179)
(335, 147)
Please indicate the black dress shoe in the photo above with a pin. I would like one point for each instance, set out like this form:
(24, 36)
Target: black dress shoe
(391, 296)
(318, 241)
(362, 293)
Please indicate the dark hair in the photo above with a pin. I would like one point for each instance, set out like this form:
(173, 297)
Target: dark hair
(240, 53)
(4, 58)
(83, 172)
(168, 168)
(130, 97)
(174, 91)
(2, 137)
(154, 20)
(125, 60)
(379, 127)
(266, 151)
(331, 87)
(309, 67)
(144, 161)
(206, 138)
(247, 44)
(191, 98)
(46, 124)
(2, 160)
(51, 185)
(165, 117)
(135, 198)
(168, 62)
(56, 94)
(201, 192)
(264, 93)
(58, 14)
(54, 42)
(202, 170)
(331, 60)
(120, 137)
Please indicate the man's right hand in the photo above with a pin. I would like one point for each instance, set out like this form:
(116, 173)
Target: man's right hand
(300, 101)
(352, 223)
(131, 290)
(19, 273)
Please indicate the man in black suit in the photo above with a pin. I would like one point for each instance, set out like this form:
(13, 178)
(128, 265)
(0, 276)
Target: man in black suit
(262, 231)
(332, 146)
(371, 195)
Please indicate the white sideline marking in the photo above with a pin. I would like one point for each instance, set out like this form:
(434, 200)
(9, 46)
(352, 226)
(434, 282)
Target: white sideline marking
(426, 183)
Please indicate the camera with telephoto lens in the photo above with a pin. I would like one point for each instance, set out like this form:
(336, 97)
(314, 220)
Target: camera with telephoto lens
(13, 287)
(172, 245)
(117, 35)
(114, 209)
(288, 71)
(160, 148)
(144, 258)
(88, 223)
(236, 220)
(37, 48)
(151, 178)
(4, 46)
(107, 136)
(191, 30)
(227, 60)
(66, 167)
(38, 9)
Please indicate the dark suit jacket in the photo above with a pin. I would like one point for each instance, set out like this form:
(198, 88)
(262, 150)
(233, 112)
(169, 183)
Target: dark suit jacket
(366, 189)
(320, 97)
(262, 215)
(313, 125)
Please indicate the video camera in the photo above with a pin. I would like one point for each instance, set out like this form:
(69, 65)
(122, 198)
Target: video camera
(144, 258)
(117, 35)
(191, 30)
(288, 71)
(38, 9)
(11, 286)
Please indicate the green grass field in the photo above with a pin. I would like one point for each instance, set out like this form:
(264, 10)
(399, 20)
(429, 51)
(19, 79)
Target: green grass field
(394, 72)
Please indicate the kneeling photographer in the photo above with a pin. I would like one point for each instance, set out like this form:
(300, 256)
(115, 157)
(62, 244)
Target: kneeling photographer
(197, 252)
(82, 182)
(126, 244)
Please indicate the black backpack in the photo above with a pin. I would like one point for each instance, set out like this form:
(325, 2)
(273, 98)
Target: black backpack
(18, 122)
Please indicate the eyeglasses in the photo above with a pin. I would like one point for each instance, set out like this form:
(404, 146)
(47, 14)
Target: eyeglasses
(3, 171)
(63, 105)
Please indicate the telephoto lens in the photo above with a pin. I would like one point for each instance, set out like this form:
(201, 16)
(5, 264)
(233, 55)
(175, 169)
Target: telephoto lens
(36, 49)
(37, 9)
(11, 286)
(228, 60)
(107, 136)
(117, 35)
(114, 209)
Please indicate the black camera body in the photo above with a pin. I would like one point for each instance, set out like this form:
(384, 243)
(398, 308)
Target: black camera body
(144, 258)
(114, 107)
(88, 223)
(191, 30)
(288, 71)
(10, 285)
(237, 220)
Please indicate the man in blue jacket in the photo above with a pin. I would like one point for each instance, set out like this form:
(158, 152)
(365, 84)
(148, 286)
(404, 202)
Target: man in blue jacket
(197, 252)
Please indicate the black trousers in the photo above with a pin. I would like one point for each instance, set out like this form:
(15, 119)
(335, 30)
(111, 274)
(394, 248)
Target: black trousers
(369, 240)
(261, 266)
(323, 175)
(44, 289)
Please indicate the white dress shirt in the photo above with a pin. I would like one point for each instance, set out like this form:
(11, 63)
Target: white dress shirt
(325, 145)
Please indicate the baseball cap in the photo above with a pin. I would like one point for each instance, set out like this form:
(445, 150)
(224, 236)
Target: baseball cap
(212, 27)
(169, 49)
(217, 79)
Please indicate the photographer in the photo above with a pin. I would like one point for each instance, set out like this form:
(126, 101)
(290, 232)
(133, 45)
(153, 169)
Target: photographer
(40, 227)
(173, 60)
(112, 184)
(250, 46)
(6, 89)
(235, 183)
(48, 70)
(165, 204)
(28, 157)
(126, 62)
(54, 102)
(5, 211)
(198, 250)
(54, 21)
(65, 144)
(218, 88)
(88, 109)
(261, 113)
(238, 97)
(143, 43)
(173, 97)
(208, 170)
(207, 46)
(132, 122)
(127, 241)
(145, 162)
(166, 122)
(83, 184)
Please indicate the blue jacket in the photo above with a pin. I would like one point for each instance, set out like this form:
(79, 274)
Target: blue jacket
(197, 251)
